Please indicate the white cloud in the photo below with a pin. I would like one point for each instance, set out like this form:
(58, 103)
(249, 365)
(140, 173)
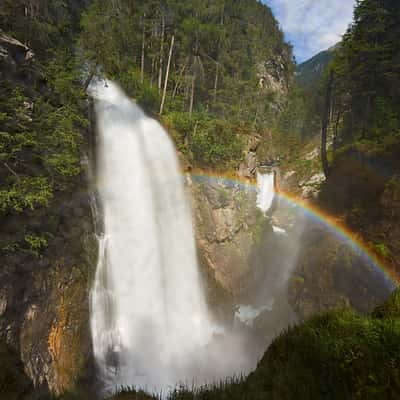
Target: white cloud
(312, 25)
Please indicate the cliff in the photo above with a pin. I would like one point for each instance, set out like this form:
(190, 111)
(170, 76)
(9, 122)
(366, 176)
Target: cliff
(48, 251)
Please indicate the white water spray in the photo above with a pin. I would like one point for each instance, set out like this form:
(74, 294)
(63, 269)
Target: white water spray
(149, 320)
(265, 191)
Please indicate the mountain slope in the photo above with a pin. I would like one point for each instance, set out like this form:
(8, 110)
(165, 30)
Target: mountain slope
(310, 72)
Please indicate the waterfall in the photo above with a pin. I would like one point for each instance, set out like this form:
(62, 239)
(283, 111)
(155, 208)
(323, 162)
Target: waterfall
(265, 191)
(149, 319)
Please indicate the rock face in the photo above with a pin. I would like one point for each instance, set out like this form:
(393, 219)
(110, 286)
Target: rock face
(44, 295)
(273, 75)
(389, 225)
(248, 166)
(44, 300)
(13, 55)
(330, 274)
(226, 221)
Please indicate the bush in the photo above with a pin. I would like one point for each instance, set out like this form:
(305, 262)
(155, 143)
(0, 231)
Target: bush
(215, 144)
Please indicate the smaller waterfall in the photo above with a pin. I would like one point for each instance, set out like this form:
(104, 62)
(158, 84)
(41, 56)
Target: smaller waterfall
(265, 191)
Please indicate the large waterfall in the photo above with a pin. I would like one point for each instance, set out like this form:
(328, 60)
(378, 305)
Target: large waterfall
(149, 320)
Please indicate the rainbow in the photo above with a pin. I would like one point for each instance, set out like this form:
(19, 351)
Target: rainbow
(333, 224)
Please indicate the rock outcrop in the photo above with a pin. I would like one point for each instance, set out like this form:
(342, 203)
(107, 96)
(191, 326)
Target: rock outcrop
(44, 299)
(330, 273)
(226, 220)
(14, 56)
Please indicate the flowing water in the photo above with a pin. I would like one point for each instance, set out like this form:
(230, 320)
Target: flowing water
(265, 191)
(149, 319)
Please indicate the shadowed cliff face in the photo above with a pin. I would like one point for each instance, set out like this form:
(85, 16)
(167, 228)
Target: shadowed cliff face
(44, 301)
(44, 292)
(226, 218)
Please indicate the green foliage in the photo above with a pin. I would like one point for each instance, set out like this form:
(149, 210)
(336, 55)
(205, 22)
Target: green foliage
(26, 193)
(221, 50)
(292, 118)
(310, 72)
(40, 138)
(36, 243)
(382, 250)
(214, 143)
(42, 24)
(367, 78)
(391, 308)
(211, 142)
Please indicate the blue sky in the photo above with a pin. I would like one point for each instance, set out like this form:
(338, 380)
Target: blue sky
(312, 25)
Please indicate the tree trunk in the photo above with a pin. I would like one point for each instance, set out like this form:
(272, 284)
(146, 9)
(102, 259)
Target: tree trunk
(325, 124)
(167, 74)
(192, 95)
(88, 80)
(142, 58)
(336, 131)
(221, 23)
(216, 82)
(160, 72)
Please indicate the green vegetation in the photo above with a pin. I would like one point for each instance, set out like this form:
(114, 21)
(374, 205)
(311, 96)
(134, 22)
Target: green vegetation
(36, 243)
(221, 53)
(366, 76)
(229, 77)
(363, 75)
(336, 355)
(361, 85)
(311, 71)
(42, 115)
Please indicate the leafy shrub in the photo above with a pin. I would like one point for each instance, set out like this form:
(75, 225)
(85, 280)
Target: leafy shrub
(26, 193)
(215, 143)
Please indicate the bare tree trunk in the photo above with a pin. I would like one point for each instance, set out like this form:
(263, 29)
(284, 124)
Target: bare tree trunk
(366, 118)
(167, 74)
(221, 23)
(192, 95)
(216, 82)
(142, 58)
(88, 80)
(153, 62)
(160, 72)
(325, 124)
(335, 133)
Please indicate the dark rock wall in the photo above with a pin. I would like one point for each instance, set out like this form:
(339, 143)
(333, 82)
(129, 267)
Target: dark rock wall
(44, 298)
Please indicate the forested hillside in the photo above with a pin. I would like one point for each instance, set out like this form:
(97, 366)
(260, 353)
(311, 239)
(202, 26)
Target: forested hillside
(219, 69)
(363, 82)
(220, 77)
(310, 72)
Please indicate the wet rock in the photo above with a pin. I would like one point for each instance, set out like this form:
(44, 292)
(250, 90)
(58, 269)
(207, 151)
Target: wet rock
(224, 219)
(3, 301)
(330, 274)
